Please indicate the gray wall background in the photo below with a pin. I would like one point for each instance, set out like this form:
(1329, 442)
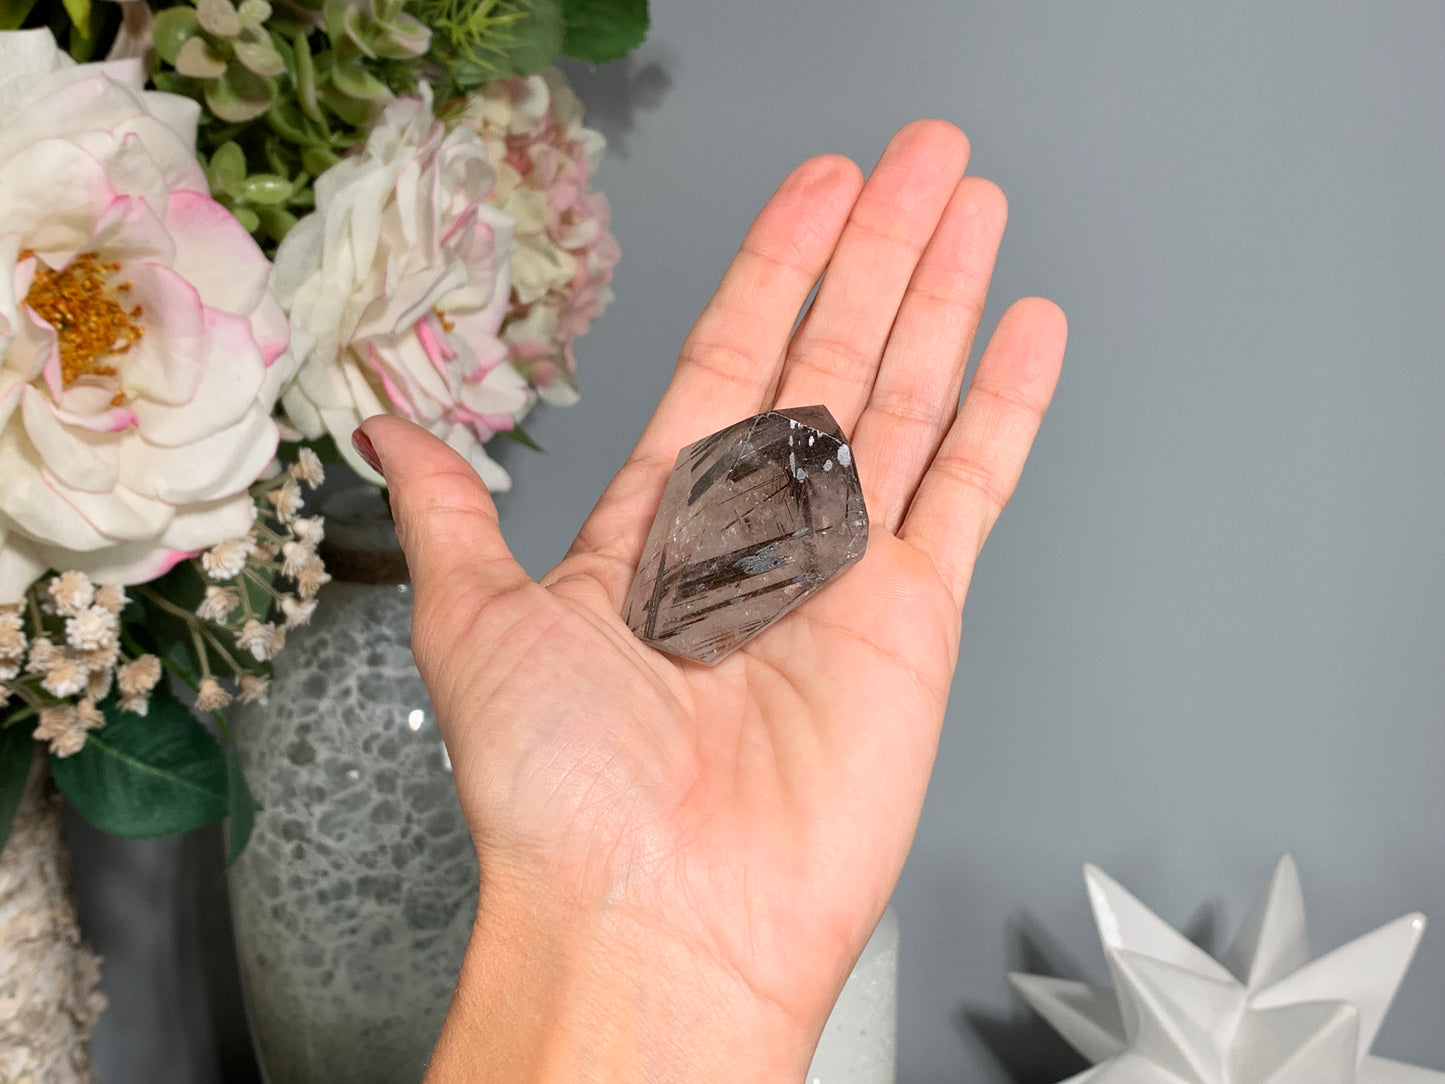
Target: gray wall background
(1210, 628)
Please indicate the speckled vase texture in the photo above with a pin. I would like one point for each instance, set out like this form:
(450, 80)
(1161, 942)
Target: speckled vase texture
(859, 1044)
(354, 900)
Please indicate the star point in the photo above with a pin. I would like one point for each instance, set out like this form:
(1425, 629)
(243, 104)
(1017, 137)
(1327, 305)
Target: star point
(1267, 1014)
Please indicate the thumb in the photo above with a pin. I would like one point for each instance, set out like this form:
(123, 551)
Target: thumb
(445, 519)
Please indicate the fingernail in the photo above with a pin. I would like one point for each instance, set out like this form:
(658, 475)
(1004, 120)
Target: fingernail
(364, 448)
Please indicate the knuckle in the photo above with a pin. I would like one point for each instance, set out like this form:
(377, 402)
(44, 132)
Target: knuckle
(976, 478)
(909, 404)
(834, 357)
(719, 361)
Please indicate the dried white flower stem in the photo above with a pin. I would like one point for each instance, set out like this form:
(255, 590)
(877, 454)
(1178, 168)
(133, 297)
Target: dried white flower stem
(196, 626)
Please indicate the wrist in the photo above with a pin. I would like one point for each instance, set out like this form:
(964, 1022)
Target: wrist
(553, 993)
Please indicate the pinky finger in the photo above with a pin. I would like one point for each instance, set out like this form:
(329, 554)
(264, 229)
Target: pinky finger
(974, 473)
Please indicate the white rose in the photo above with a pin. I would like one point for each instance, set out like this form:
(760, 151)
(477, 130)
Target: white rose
(137, 336)
(397, 286)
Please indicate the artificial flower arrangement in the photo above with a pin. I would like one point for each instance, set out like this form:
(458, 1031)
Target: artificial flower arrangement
(247, 228)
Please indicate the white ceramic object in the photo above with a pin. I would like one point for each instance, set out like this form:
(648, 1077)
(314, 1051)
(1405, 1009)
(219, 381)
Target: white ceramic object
(859, 1044)
(1267, 1014)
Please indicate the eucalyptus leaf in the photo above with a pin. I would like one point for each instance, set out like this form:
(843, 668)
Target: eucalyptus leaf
(305, 76)
(286, 121)
(171, 30)
(603, 30)
(266, 189)
(17, 752)
(353, 111)
(259, 55)
(239, 95)
(317, 160)
(199, 60)
(219, 17)
(275, 222)
(355, 81)
(147, 775)
(227, 171)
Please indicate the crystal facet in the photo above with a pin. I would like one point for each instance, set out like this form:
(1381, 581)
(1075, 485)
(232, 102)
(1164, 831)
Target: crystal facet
(755, 518)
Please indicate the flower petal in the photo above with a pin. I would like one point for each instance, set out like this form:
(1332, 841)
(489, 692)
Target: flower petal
(20, 565)
(166, 366)
(201, 526)
(79, 458)
(52, 193)
(219, 465)
(36, 506)
(229, 374)
(201, 228)
(127, 563)
(120, 514)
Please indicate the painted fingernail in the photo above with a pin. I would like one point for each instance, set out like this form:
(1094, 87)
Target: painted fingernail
(364, 448)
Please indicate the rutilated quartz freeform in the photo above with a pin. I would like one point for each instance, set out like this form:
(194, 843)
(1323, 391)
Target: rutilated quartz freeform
(755, 519)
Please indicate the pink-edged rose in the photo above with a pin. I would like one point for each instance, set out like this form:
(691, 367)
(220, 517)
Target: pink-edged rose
(397, 286)
(562, 266)
(139, 344)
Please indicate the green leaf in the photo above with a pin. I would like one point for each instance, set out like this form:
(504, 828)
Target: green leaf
(603, 30)
(172, 29)
(317, 160)
(266, 188)
(355, 81)
(286, 120)
(17, 751)
(79, 12)
(536, 38)
(305, 76)
(275, 222)
(522, 437)
(259, 55)
(352, 111)
(147, 775)
(247, 218)
(243, 805)
(239, 95)
(227, 170)
(13, 13)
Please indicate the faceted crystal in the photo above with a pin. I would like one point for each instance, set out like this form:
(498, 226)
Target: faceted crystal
(755, 518)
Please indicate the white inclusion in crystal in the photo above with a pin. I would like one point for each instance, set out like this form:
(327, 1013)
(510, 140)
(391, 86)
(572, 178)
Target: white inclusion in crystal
(353, 773)
(845, 456)
(800, 474)
(827, 464)
(812, 437)
(446, 758)
(415, 718)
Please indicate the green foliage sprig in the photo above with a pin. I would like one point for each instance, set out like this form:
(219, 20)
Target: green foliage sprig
(287, 91)
(83, 28)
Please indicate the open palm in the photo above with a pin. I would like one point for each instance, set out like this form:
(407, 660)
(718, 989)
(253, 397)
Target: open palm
(746, 822)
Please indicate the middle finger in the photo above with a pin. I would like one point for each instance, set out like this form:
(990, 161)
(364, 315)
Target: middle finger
(834, 355)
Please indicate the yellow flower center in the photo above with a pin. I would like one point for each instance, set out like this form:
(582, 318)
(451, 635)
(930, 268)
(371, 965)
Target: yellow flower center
(80, 303)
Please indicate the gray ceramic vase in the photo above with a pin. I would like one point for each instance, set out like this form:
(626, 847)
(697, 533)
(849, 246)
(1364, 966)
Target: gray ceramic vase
(355, 897)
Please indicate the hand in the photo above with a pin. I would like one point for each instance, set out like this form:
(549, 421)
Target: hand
(680, 864)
